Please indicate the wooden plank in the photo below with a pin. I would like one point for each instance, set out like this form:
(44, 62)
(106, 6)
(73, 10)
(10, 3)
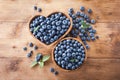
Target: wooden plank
(93, 69)
(22, 10)
(14, 36)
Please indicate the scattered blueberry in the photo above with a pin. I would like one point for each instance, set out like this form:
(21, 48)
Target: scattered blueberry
(31, 44)
(82, 8)
(35, 7)
(39, 9)
(52, 70)
(56, 72)
(25, 48)
(29, 55)
(35, 47)
(97, 37)
(89, 10)
(93, 21)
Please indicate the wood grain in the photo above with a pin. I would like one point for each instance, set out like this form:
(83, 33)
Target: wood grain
(103, 60)
(21, 10)
(93, 69)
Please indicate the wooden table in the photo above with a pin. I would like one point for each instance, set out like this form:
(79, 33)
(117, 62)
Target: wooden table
(103, 62)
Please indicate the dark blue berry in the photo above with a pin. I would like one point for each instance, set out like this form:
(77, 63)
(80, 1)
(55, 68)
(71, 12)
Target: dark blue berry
(52, 70)
(35, 7)
(39, 9)
(35, 47)
(93, 21)
(82, 8)
(25, 48)
(89, 10)
(56, 72)
(31, 44)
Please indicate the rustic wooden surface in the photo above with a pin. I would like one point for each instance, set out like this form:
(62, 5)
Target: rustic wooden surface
(103, 62)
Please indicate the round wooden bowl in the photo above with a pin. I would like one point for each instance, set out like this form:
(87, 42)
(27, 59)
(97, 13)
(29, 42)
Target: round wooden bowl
(68, 39)
(50, 45)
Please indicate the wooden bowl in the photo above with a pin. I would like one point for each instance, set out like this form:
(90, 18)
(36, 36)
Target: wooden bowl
(68, 39)
(50, 45)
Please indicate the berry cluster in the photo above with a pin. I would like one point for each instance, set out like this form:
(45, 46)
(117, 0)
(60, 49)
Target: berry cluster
(35, 47)
(69, 54)
(49, 29)
(87, 33)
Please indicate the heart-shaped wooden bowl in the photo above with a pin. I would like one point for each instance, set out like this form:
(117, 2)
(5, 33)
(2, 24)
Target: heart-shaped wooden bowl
(68, 39)
(51, 45)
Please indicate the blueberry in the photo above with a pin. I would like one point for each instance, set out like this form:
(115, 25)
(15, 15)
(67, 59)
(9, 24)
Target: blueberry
(35, 7)
(35, 47)
(92, 34)
(69, 65)
(73, 16)
(29, 54)
(82, 8)
(89, 10)
(93, 38)
(65, 22)
(31, 44)
(97, 37)
(38, 57)
(71, 10)
(77, 13)
(82, 14)
(58, 23)
(56, 72)
(93, 21)
(94, 31)
(52, 70)
(39, 9)
(25, 48)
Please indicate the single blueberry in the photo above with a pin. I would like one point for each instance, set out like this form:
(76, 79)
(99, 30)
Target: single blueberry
(25, 48)
(39, 9)
(31, 44)
(89, 10)
(52, 70)
(56, 72)
(93, 21)
(82, 8)
(35, 7)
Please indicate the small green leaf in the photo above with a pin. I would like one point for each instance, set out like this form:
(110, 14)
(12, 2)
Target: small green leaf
(72, 60)
(35, 29)
(41, 64)
(34, 63)
(84, 24)
(45, 58)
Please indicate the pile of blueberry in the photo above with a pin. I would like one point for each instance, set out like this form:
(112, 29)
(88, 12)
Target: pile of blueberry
(69, 54)
(85, 34)
(49, 29)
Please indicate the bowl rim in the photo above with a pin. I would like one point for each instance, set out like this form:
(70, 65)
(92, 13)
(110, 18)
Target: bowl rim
(67, 38)
(53, 43)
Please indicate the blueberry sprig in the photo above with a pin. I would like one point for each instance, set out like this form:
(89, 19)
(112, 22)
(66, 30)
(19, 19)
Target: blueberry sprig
(40, 59)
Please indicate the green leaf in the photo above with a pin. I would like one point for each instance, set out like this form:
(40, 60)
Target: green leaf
(35, 29)
(72, 60)
(84, 24)
(34, 63)
(45, 58)
(41, 64)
